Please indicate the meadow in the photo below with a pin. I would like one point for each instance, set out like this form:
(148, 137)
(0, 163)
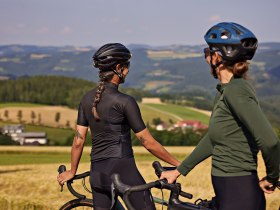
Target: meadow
(47, 114)
(28, 176)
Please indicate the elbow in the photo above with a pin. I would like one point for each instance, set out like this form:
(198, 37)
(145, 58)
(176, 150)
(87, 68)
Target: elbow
(270, 148)
(149, 145)
(78, 143)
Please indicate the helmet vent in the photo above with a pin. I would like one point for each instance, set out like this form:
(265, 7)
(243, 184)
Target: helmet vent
(237, 31)
(249, 43)
(213, 36)
(225, 35)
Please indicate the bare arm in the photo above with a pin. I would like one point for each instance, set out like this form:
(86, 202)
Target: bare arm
(76, 153)
(155, 147)
(77, 147)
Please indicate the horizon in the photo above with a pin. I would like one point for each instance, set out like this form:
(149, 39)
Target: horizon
(136, 44)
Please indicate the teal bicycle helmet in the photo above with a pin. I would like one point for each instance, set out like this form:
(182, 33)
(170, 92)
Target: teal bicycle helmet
(234, 42)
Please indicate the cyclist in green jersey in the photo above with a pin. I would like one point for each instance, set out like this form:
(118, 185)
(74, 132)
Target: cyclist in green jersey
(238, 129)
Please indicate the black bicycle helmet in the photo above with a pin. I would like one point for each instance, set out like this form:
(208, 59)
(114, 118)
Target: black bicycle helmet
(233, 41)
(109, 55)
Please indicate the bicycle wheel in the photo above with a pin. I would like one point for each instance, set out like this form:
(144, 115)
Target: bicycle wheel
(83, 204)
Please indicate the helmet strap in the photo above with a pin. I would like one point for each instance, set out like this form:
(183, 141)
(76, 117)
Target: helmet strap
(120, 75)
(214, 67)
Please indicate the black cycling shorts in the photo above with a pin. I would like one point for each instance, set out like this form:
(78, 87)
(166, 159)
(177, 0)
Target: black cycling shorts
(100, 180)
(238, 193)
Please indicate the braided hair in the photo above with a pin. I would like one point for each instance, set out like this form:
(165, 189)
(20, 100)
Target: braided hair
(104, 77)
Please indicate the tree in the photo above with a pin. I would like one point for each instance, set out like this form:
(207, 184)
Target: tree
(57, 117)
(171, 121)
(39, 119)
(67, 124)
(157, 121)
(7, 140)
(33, 116)
(6, 114)
(19, 116)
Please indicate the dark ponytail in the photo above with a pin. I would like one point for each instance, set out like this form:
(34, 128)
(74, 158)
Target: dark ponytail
(104, 77)
(239, 69)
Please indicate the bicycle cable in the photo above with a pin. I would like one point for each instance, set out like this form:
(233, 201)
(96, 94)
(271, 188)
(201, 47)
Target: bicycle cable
(162, 198)
(85, 187)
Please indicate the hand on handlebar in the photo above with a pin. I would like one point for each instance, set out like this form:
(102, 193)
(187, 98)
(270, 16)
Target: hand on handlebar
(266, 186)
(64, 177)
(171, 176)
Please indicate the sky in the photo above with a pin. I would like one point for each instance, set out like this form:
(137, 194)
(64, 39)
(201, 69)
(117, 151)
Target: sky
(149, 22)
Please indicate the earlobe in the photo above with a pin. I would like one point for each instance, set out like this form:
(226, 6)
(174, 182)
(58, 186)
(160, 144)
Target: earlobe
(216, 58)
(118, 68)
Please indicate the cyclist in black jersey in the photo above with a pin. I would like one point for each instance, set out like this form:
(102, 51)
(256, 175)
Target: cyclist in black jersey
(111, 115)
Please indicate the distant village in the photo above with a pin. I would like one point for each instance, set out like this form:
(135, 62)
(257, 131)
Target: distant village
(17, 134)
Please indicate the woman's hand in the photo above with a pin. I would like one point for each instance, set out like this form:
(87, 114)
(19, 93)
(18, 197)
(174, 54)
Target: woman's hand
(266, 186)
(171, 176)
(64, 177)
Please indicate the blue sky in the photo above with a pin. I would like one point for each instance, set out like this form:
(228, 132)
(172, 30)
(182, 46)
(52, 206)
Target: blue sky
(152, 22)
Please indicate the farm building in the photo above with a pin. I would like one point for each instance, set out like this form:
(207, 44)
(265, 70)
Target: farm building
(10, 129)
(191, 124)
(31, 138)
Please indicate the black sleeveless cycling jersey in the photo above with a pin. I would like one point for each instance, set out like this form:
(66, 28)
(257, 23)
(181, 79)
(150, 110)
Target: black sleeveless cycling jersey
(118, 114)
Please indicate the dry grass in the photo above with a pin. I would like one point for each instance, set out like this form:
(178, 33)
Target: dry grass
(35, 185)
(47, 115)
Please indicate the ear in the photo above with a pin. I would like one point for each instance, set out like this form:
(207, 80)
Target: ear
(118, 68)
(216, 58)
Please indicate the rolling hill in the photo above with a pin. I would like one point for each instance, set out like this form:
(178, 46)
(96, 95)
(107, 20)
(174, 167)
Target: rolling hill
(174, 70)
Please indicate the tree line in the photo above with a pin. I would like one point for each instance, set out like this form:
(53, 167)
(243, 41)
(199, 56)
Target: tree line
(52, 90)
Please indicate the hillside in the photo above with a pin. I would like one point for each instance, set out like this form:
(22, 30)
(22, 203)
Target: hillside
(158, 69)
(178, 71)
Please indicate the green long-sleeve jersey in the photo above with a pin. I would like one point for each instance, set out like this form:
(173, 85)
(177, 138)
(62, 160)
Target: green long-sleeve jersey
(238, 129)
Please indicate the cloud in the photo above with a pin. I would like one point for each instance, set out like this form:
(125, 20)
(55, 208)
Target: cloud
(66, 30)
(43, 30)
(215, 18)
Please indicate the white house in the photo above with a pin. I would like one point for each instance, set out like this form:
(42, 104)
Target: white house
(32, 138)
(17, 134)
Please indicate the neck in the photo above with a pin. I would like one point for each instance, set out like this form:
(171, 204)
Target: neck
(115, 80)
(225, 76)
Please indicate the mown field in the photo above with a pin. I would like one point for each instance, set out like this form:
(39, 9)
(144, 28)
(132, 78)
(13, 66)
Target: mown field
(28, 176)
(149, 111)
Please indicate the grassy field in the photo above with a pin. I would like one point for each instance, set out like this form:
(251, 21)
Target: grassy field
(182, 112)
(7, 105)
(32, 185)
(149, 111)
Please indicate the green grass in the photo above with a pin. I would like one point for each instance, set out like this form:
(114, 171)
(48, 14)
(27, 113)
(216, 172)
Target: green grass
(36, 158)
(4, 105)
(149, 114)
(181, 111)
(33, 157)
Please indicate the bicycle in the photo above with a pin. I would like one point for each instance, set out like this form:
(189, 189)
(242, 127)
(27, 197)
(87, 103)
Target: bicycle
(174, 203)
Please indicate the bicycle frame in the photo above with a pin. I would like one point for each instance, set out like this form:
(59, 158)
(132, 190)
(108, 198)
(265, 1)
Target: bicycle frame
(173, 204)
